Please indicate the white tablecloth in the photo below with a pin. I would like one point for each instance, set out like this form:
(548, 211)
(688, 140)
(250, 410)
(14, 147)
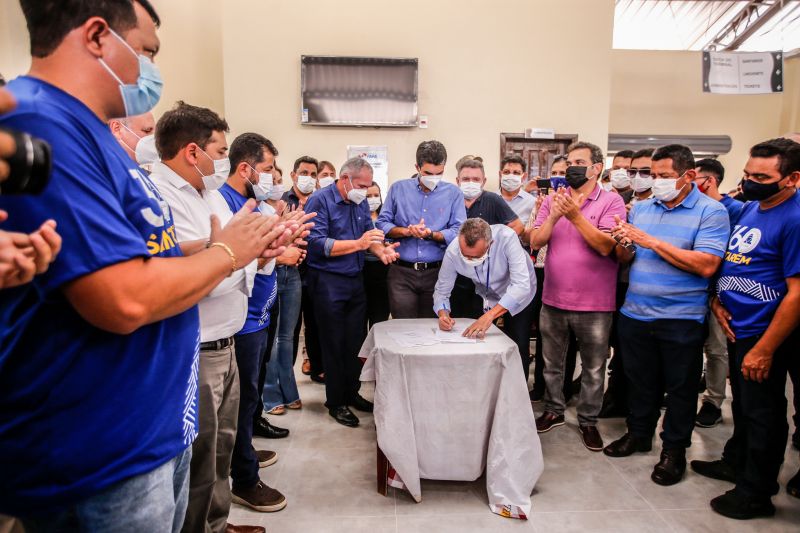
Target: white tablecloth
(448, 411)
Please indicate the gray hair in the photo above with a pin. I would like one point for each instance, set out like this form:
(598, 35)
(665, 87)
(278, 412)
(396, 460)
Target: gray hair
(354, 165)
(469, 161)
(475, 229)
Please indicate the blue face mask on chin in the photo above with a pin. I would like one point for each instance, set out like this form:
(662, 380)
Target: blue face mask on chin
(143, 96)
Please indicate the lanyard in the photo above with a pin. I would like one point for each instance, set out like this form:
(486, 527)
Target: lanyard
(488, 269)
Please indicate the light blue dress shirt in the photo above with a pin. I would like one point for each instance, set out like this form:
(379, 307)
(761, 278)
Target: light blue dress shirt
(442, 208)
(510, 273)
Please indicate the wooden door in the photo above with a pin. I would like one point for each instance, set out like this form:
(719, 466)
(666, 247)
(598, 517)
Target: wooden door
(538, 153)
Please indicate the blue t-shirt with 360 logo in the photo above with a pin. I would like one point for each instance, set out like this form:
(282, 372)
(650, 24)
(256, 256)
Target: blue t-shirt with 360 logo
(82, 408)
(764, 250)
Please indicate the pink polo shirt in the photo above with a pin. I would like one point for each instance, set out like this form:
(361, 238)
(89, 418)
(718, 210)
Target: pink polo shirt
(577, 278)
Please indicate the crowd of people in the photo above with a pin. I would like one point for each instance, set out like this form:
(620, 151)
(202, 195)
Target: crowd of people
(153, 296)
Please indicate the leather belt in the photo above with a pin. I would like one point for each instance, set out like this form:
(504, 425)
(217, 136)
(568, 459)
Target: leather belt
(419, 266)
(216, 345)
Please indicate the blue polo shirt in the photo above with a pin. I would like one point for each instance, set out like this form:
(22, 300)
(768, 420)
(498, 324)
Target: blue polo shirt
(659, 290)
(336, 220)
(442, 208)
(763, 251)
(265, 287)
(82, 408)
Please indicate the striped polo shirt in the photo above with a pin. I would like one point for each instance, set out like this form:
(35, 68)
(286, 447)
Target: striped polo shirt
(659, 290)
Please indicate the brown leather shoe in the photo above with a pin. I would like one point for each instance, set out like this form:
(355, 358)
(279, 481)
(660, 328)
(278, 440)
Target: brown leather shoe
(548, 421)
(259, 497)
(266, 458)
(306, 367)
(230, 528)
(591, 438)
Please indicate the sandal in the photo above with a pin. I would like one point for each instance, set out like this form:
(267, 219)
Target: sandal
(277, 410)
(297, 404)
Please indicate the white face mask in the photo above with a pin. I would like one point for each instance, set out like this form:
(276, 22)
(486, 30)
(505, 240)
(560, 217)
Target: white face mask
(276, 192)
(620, 179)
(471, 190)
(146, 153)
(222, 169)
(263, 188)
(606, 186)
(511, 182)
(642, 183)
(356, 195)
(474, 262)
(374, 203)
(324, 182)
(664, 189)
(306, 184)
(430, 181)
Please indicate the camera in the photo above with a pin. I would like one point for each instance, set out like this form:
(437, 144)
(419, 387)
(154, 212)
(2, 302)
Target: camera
(29, 164)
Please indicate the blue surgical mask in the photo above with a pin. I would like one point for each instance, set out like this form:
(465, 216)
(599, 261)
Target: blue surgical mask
(143, 96)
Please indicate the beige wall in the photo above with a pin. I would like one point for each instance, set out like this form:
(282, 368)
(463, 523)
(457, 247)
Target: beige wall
(480, 74)
(659, 92)
(190, 59)
(790, 112)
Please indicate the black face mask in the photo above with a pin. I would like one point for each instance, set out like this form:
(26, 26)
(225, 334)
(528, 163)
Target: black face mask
(576, 176)
(760, 191)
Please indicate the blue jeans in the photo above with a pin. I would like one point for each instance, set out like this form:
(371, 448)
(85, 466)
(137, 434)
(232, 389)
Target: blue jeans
(280, 387)
(250, 349)
(154, 502)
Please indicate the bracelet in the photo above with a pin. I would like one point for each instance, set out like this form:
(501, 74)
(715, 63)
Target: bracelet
(229, 251)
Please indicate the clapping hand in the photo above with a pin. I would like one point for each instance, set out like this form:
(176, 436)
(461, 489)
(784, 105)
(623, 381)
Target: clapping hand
(563, 203)
(23, 256)
(389, 253)
(419, 231)
(373, 236)
(626, 233)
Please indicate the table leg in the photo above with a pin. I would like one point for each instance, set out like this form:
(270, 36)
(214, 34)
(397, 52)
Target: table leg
(383, 472)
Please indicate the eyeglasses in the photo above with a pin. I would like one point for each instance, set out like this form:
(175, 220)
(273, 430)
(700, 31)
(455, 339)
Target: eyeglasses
(642, 172)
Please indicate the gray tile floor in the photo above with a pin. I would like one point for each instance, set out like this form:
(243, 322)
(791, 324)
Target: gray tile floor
(327, 473)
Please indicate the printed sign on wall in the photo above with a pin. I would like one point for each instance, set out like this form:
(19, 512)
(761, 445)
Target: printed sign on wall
(742, 72)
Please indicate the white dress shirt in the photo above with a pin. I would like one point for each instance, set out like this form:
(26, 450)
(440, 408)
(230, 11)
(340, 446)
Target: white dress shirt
(522, 204)
(509, 270)
(224, 310)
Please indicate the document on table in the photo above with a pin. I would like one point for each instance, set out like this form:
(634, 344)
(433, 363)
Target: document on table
(453, 337)
(414, 337)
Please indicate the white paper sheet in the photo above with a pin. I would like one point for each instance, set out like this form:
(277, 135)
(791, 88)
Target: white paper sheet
(411, 338)
(453, 336)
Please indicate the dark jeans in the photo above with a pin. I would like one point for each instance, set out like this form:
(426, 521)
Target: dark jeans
(272, 330)
(376, 287)
(464, 302)
(340, 306)
(518, 328)
(662, 356)
(307, 317)
(250, 349)
(760, 427)
(617, 383)
(538, 361)
(411, 292)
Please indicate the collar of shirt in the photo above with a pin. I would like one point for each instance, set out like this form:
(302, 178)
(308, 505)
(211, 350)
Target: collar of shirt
(337, 196)
(522, 194)
(172, 177)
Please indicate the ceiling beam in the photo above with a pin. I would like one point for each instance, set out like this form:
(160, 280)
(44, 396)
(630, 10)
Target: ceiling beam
(745, 24)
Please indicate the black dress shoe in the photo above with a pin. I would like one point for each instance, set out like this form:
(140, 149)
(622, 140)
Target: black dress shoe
(591, 438)
(262, 428)
(628, 445)
(670, 468)
(715, 470)
(344, 416)
(739, 507)
(361, 404)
